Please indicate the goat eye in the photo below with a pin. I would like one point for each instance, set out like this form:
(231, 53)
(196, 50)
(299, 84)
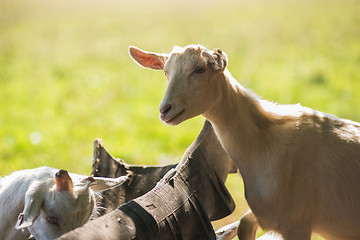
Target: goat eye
(51, 220)
(200, 70)
(166, 73)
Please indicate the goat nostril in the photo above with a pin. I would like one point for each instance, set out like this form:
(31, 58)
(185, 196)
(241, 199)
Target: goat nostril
(165, 108)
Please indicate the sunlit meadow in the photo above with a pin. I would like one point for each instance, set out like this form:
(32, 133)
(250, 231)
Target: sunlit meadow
(66, 77)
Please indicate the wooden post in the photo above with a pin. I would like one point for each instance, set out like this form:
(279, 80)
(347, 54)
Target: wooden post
(180, 206)
(142, 178)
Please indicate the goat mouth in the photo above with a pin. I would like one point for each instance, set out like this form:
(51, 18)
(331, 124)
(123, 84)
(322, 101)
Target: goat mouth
(176, 116)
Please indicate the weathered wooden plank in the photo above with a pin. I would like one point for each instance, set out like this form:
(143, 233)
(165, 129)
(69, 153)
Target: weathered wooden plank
(180, 206)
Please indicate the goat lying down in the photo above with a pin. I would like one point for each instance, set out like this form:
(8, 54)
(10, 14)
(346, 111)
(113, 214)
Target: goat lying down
(300, 167)
(47, 202)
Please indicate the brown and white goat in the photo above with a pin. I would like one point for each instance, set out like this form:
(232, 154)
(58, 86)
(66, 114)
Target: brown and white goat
(300, 167)
(50, 202)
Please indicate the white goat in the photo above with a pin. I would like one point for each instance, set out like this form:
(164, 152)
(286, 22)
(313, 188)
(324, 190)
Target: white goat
(300, 167)
(48, 201)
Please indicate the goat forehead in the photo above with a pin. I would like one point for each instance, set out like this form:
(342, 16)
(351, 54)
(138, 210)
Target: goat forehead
(67, 208)
(190, 48)
(64, 201)
(180, 61)
(58, 200)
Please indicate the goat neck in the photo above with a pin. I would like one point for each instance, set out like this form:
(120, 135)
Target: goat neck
(250, 119)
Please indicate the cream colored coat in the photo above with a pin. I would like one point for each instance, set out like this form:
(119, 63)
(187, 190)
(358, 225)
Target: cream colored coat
(300, 167)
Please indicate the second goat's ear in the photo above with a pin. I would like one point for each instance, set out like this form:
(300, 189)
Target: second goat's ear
(218, 58)
(145, 59)
(34, 198)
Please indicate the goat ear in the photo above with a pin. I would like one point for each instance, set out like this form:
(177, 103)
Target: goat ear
(218, 58)
(34, 198)
(145, 59)
(101, 183)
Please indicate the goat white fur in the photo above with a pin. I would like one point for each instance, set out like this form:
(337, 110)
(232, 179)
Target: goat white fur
(300, 167)
(48, 201)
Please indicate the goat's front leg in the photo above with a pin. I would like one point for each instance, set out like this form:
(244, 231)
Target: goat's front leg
(248, 226)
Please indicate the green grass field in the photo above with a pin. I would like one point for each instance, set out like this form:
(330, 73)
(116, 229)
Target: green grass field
(66, 77)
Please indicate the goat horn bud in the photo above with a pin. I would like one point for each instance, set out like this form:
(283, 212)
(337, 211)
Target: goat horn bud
(88, 179)
(217, 51)
(63, 181)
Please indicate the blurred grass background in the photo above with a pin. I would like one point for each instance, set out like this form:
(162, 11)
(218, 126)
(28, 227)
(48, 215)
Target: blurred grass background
(66, 78)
